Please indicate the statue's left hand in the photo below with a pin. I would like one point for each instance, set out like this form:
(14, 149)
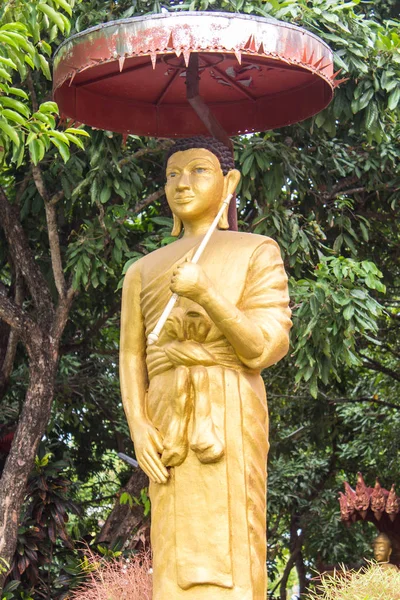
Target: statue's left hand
(190, 280)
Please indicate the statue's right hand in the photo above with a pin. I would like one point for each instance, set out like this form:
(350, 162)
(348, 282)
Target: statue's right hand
(148, 448)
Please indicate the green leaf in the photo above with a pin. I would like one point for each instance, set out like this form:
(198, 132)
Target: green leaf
(5, 74)
(348, 312)
(14, 116)
(105, 194)
(19, 154)
(371, 117)
(14, 27)
(338, 243)
(59, 135)
(62, 148)
(37, 150)
(53, 15)
(314, 387)
(364, 232)
(77, 141)
(394, 98)
(47, 107)
(46, 47)
(18, 92)
(21, 42)
(77, 131)
(10, 132)
(65, 6)
(247, 164)
(44, 65)
(8, 62)
(15, 105)
(45, 118)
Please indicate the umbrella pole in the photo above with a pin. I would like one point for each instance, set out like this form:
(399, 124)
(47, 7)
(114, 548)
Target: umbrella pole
(208, 119)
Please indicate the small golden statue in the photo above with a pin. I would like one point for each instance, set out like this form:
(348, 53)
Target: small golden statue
(194, 399)
(382, 551)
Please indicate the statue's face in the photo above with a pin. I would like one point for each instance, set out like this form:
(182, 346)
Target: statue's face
(195, 184)
(382, 550)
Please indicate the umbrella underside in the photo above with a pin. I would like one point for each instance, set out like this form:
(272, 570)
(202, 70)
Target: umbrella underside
(114, 78)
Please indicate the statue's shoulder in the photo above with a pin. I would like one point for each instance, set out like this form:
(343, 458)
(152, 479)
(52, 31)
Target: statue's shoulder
(156, 256)
(246, 241)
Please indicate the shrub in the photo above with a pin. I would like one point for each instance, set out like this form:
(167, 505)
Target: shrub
(122, 579)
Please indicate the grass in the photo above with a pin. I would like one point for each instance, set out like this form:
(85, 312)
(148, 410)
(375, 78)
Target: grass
(373, 582)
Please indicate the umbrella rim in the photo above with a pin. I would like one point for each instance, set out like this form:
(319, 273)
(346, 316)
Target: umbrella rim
(182, 13)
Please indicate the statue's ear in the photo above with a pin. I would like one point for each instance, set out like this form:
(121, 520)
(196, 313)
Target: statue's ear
(232, 179)
(177, 226)
(223, 223)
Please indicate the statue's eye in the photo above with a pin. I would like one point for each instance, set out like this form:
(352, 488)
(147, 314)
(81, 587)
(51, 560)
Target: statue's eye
(200, 170)
(172, 174)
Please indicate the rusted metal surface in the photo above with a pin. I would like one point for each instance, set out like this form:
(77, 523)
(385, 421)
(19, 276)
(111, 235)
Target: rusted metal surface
(255, 74)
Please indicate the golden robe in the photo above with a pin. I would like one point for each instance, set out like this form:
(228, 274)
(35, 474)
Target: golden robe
(208, 530)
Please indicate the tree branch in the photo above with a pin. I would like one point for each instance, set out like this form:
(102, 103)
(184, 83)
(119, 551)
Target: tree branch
(143, 151)
(51, 218)
(374, 365)
(147, 201)
(8, 362)
(32, 92)
(289, 566)
(23, 258)
(349, 192)
(12, 314)
(371, 400)
(22, 187)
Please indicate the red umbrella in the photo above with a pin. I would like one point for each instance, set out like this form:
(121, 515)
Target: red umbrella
(130, 75)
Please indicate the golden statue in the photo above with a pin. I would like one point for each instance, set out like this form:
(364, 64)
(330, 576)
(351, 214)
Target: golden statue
(194, 400)
(382, 551)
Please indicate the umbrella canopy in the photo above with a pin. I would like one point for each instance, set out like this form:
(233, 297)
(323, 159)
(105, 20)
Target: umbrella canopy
(129, 76)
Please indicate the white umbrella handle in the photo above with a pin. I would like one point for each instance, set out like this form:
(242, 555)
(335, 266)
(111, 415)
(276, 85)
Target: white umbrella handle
(155, 334)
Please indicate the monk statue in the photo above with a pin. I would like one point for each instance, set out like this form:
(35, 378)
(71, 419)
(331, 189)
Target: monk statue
(382, 551)
(194, 400)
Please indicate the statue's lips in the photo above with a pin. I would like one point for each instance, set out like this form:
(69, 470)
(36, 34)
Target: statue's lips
(183, 199)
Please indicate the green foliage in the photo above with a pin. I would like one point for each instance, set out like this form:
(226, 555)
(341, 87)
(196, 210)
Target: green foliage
(27, 31)
(144, 500)
(333, 310)
(43, 534)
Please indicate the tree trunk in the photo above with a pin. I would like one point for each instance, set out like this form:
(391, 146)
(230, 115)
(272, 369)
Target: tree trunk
(295, 546)
(302, 574)
(31, 427)
(124, 522)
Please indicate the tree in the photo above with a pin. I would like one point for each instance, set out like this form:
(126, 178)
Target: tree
(326, 189)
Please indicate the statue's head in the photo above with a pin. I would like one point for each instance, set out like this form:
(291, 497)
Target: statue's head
(200, 174)
(382, 548)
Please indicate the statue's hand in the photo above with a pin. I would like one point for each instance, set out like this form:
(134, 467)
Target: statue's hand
(190, 280)
(148, 448)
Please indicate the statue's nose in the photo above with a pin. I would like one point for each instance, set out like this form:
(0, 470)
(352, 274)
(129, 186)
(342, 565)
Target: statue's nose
(184, 181)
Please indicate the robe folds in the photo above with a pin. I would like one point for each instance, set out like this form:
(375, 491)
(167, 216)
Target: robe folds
(208, 529)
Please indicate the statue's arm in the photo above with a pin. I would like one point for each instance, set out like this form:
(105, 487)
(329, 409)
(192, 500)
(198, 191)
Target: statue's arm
(134, 379)
(265, 302)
